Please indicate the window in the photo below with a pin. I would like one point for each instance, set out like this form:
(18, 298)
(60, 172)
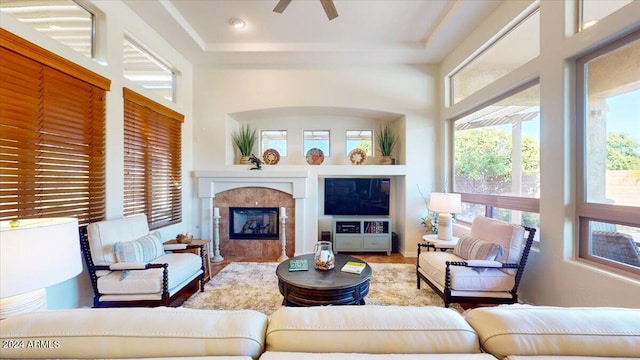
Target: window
(316, 139)
(152, 161)
(63, 20)
(497, 158)
(608, 148)
(498, 58)
(274, 139)
(591, 11)
(361, 139)
(52, 135)
(148, 71)
(471, 210)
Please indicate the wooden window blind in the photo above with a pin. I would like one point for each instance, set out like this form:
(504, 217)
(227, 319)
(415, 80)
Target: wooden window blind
(52, 135)
(152, 160)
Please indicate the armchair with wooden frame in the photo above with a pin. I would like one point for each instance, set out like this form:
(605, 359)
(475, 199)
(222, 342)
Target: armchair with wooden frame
(485, 267)
(128, 265)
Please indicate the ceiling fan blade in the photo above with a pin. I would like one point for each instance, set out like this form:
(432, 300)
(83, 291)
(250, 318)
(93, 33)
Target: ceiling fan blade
(282, 4)
(329, 9)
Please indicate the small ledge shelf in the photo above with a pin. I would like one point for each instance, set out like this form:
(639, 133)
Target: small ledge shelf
(367, 170)
(294, 171)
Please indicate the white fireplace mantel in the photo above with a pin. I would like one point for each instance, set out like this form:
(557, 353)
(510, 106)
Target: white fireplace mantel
(215, 181)
(211, 182)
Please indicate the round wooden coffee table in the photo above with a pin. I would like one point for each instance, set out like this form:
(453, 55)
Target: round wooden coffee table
(319, 287)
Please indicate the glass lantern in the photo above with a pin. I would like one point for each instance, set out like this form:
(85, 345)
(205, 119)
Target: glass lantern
(324, 258)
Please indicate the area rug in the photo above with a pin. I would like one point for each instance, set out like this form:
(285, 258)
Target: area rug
(250, 285)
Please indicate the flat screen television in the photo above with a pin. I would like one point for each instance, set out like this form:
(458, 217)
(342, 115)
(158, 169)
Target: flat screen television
(356, 196)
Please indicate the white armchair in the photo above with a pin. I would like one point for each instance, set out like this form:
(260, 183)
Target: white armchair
(128, 266)
(485, 267)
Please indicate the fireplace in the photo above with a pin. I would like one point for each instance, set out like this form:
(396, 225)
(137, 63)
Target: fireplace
(254, 223)
(227, 187)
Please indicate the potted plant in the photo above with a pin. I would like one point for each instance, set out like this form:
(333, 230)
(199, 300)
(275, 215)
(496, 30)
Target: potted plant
(245, 139)
(387, 140)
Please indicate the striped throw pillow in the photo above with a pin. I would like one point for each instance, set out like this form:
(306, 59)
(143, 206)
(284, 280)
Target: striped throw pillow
(470, 248)
(145, 249)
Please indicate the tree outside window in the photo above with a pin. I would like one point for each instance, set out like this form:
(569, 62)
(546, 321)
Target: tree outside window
(497, 153)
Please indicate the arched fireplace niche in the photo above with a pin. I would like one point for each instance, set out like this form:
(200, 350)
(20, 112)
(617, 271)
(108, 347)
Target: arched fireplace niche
(255, 197)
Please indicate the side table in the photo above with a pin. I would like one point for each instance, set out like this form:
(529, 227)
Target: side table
(435, 243)
(204, 247)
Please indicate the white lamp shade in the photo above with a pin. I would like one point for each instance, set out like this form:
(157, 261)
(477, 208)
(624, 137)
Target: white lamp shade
(445, 203)
(37, 254)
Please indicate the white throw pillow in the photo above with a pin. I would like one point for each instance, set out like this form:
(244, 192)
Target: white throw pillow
(144, 249)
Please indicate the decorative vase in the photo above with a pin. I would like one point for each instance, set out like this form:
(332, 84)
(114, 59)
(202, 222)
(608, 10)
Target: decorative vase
(386, 160)
(324, 258)
(244, 160)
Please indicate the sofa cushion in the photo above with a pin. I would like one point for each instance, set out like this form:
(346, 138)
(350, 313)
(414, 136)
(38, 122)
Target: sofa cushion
(509, 236)
(137, 333)
(144, 249)
(555, 357)
(182, 266)
(202, 358)
(370, 329)
(433, 265)
(523, 330)
(271, 355)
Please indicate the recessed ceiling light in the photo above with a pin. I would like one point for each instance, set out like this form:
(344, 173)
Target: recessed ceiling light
(237, 23)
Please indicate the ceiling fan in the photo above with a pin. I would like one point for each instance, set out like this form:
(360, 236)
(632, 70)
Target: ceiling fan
(329, 8)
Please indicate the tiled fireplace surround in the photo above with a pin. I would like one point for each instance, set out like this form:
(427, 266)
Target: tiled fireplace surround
(243, 188)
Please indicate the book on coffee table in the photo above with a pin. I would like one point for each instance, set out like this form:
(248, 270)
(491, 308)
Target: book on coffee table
(298, 265)
(353, 267)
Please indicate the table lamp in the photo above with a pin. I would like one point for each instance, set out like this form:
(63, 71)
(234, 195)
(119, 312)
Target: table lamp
(35, 254)
(445, 204)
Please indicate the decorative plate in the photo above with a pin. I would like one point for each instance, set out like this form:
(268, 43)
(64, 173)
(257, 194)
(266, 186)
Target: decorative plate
(357, 156)
(315, 156)
(271, 156)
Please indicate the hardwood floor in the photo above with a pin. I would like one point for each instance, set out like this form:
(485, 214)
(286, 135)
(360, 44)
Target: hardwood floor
(397, 258)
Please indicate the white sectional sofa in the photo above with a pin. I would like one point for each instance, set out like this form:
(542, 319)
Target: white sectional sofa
(122, 333)
(369, 332)
(519, 332)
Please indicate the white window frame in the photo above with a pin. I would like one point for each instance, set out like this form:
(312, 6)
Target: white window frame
(268, 135)
(604, 9)
(141, 78)
(450, 78)
(45, 13)
(592, 211)
(491, 202)
(348, 138)
(327, 151)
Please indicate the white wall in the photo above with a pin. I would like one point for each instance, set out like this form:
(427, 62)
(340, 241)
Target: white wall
(222, 92)
(114, 21)
(554, 276)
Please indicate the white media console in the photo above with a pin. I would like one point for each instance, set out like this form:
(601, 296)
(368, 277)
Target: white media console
(354, 233)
